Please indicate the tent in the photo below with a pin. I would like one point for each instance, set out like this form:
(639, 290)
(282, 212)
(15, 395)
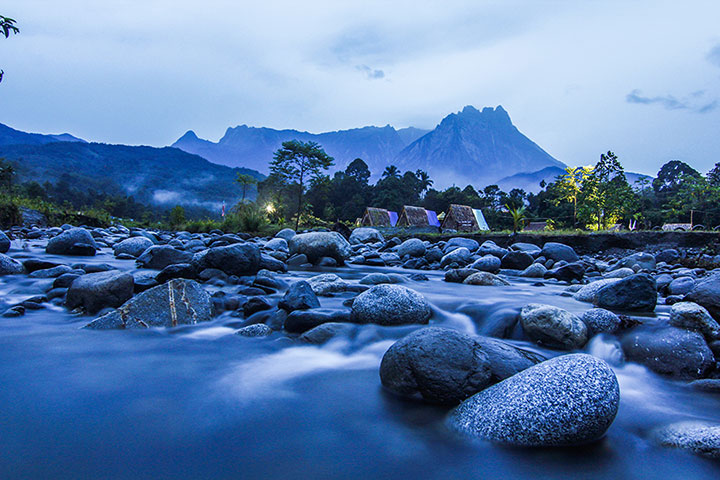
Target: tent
(464, 219)
(480, 218)
(413, 217)
(376, 217)
(432, 218)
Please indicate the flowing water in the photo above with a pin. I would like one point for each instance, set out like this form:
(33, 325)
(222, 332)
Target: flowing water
(200, 402)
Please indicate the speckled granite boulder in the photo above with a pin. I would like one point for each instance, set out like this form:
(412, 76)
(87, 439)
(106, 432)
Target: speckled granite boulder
(390, 305)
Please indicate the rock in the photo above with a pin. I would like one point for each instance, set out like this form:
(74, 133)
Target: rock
(300, 296)
(670, 351)
(10, 266)
(701, 438)
(158, 257)
(681, 286)
(328, 283)
(326, 332)
(365, 235)
(278, 245)
(390, 305)
(178, 302)
(505, 359)
(485, 279)
(460, 256)
(461, 242)
(270, 263)
(65, 280)
(536, 270)
(553, 326)
(516, 260)
(530, 248)
(297, 261)
(567, 273)
(4, 242)
(487, 263)
(558, 252)
(490, 248)
(51, 272)
(300, 321)
(286, 234)
(599, 320)
(643, 260)
(458, 275)
(378, 278)
(588, 293)
(96, 291)
(636, 293)
(134, 246)
(254, 305)
(178, 270)
(412, 247)
(668, 256)
(620, 273)
(257, 330)
(691, 316)
(74, 241)
(315, 245)
(439, 365)
(237, 259)
(564, 401)
(707, 294)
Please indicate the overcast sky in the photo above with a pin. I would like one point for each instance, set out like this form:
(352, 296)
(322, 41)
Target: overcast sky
(578, 77)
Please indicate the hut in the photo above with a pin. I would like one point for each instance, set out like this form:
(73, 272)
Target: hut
(378, 217)
(464, 219)
(535, 227)
(413, 217)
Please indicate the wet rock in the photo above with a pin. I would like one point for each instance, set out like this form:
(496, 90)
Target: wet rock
(10, 266)
(681, 286)
(390, 305)
(33, 265)
(706, 385)
(96, 291)
(178, 302)
(599, 320)
(51, 272)
(439, 365)
(270, 263)
(558, 252)
(4, 242)
(315, 245)
(237, 259)
(178, 270)
(505, 359)
(668, 256)
(365, 235)
(487, 263)
(328, 284)
(588, 293)
(158, 257)
(461, 242)
(379, 278)
(15, 311)
(300, 321)
(643, 260)
(701, 438)
(300, 296)
(286, 234)
(65, 280)
(490, 248)
(707, 294)
(670, 351)
(74, 241)
(536, 270)
(327, 331)
(254, 305)
(567, 400)
(459, 256)
(257, 330)
(134, 246)
(412, 247)
(636, 293)
(553, 326)
(458, 275)
(516, 260)
(691, 316)
(485, 279)
(620, 273)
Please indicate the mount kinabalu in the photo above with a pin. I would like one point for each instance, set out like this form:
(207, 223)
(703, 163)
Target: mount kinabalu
(471, 146)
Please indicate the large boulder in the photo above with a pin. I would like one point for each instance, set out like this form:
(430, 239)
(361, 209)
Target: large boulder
(134, 246)
(588, 293)
(487, 263)
(158, 257)
(178, 302)
(460, 256)
(390, 305)
(641, 260)
(316, 245)
(558, 252)
(567, 400)
(485, 279)
(439, 365)
(365, 235)
(237, 259)
(74, 241)
(567, 273)
(702, 438)
(636, 293)
(707, 294)
(517, 260)
(553, 326)
(670, 351)
(9, 266)
(96, 291)
(599, 320)
(691, 316)
(457, 242)
(4, 242)
(299, 296)
(300, 321)
(413, 247)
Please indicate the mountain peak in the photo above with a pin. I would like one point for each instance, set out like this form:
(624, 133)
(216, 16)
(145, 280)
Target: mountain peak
(189, 136)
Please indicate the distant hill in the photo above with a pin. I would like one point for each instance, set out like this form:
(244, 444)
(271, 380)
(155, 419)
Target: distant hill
(163, 176)
(530, 182)
(10, 136)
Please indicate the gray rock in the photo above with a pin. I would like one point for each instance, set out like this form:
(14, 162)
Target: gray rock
(460, 256)
(530, 248)
(668, 256)
(485, 279)
(516, 260)
(681, 286)
(326, 332)
(134, 246)
(457, 242)
(436, 364)
(328, 284)
(707, 294)
(365, 235)
(567, 400)
(390, 305)
(257, 330)
(10, 266)
(300, 296)
(178, 302)
(599, 320)
(52, 272)
(458, 275)
(553, 326)
(636, 293)
(74, 241)
(96, 291)
(670, 351)
(620, 273)
(505, 359)
(158, 257)
(588, 293)
(691, 316)
(558, 252)
(490, 248)
(4, 242)
(316, 245)
(237, 259)
(278, 244)
(701, 438)
(536, 270)
(379, 278)
(413, 247)
(487, 263)
(643, 260)
(286, 234)
(567, 272)
(300, 321)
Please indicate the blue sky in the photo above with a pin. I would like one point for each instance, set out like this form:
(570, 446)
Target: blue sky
(578, 77)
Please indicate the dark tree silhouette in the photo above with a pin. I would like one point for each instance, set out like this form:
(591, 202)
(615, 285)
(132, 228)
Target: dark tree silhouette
(7, 26)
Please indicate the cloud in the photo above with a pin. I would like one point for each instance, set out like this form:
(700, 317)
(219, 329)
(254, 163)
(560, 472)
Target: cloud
(714, 55)
(670, 102)
(370, 73)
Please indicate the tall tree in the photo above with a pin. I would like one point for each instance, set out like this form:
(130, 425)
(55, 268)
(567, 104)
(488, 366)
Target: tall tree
(570, 184)
(391, 171)
(7, 26)
(245, 181)
(298, 162)
(606, 195)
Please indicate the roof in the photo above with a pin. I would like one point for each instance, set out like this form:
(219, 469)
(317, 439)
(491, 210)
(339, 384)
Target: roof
(535, 226)
(413, 217)
(461, 217)
(377, 217)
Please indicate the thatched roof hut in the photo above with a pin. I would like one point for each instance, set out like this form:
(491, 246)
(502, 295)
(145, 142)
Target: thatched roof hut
(413, 217)
(378, 217)
(535, 227)
(463, 219)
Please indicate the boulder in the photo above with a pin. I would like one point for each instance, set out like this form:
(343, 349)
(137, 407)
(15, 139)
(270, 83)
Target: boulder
(516, 260)
(365, 235)
(134, 246)
(439, 365)
(564, 401)
(286, 234)
(458, 275)
(326, 332)
(588, 293)
(505, 359)
(641, 260)
(299, 296)
(178, 302)
(599, 320)
(158, 257)
(691, 316)
(567, 273)
(681, 286)
(239, 259)
(536, 270)
(390, 305)
(300, 321)
(487, 263)
(316, 245)
(10, 266)
(96, 291)
(257, 330)
(636, 293)
(553, 326)
(707, 294)
(328, 284)
(701, 438)
(460, 256)
(4, 242)
(558, 252)
(413, 247)
(669, 256)
(458, 242)
(485, 279)
(277, 245)
(490, 248)
(74, 241)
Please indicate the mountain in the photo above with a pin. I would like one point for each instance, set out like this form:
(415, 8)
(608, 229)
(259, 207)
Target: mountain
(10, 136)
(474, 147)
(253, 147)
(163, 176)
(530, 182)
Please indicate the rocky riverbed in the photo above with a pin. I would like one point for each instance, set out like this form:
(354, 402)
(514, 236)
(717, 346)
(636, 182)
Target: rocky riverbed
(139, 354)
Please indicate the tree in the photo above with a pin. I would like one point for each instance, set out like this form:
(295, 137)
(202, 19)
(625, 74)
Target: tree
(177, 216)
(424, 180)
(298, 162)
(713, 175)
(605, 194)
(245, 180)
(570, 184)
(518, 217)
(7, 174)
(391, 171)
(670, 177)
(7, 26)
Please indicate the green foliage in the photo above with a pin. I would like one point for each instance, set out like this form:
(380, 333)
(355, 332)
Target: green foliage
(245, 181)
(605, 197)
(9, 212)
(249, 217)
(7, 26)
(177, 216)
(518, 217)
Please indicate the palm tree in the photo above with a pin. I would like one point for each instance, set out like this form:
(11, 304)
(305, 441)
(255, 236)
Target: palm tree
(391, 171)
(518, 216)
(424, 179)
(245, 181)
